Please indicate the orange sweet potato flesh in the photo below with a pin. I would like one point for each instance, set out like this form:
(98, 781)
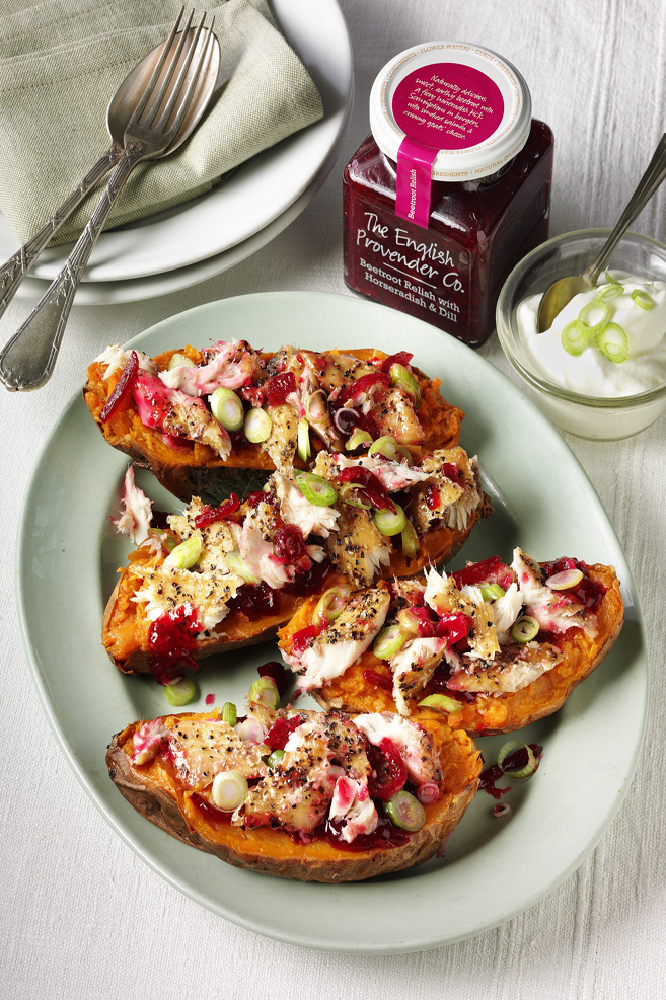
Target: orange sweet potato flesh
(198, 471)
(125, 626)
(487, 716)
(157, 795)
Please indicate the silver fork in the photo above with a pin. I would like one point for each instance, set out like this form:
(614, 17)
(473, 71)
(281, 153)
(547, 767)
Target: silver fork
(28, 359)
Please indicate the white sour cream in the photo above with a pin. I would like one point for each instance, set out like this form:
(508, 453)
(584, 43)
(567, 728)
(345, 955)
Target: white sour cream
(591, 374)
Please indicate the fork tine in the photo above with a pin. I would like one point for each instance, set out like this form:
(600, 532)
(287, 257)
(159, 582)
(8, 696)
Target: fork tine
(159, 97)
(138, 111)
(175, 90)
(187, 99)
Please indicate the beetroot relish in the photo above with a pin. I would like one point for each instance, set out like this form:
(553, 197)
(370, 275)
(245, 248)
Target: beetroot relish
(171, 639)
(378, 680)
(371, 488)
(214, 816)
(310, 580)
(587, 592)
(401, 358)
(386, 835)
(251, 601)
(432, 498)
(495, 773)
(278, 388)
(300, 639)
(389, 773)
(478, 572)
(363, 384)
(280, 731)
(289, 543)
(210, 515)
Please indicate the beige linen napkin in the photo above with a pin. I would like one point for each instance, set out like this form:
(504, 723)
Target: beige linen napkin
(62, 60)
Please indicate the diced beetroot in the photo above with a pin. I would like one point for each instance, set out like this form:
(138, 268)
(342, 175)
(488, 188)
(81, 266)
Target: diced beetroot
(451, 472)
(401, 358)
(378, 680)
(363, 384)
(390, 771)
(478, 572)
(300, 639)
(123, 386)
(280, 731)
(453, 627)
(211, 514)
(277, 672)
(432, 498)
(278, 388)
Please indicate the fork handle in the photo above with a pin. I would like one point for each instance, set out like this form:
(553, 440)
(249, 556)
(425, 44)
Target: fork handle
(14, 270)
(28, 359)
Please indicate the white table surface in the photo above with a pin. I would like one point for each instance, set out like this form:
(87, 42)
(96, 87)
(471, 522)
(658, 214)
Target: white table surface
(80, 914)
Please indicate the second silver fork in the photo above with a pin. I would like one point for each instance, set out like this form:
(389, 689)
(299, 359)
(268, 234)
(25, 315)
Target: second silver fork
(28, 359)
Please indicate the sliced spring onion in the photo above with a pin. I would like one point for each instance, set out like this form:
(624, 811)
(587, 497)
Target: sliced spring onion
(229, 713)
(404, 379)
(408, 621)
(442, 702)
(524, 628)
(228, 791)
(388, 642)
(358, 438)
(303, 440)
(180, 693)
(250, 731)
(227, 409)
(409, 541)
(575, 338)
(493, 592)
(239, 567)
(508, 750)
(565, 580)
(611, 342)
(316, 490)
(609, 291)
(611, 281)
(388, 523)
(258, 425)
(264, 692)
(331, 605)
(316, 407)
(386, 447)
(347, 493)
(186, 554)
(275, 758)
(642, 299)
(405, 811)
(179, 361)
(406, 454)
(590, 307)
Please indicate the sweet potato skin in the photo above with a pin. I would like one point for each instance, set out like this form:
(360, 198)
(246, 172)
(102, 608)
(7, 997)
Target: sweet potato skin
(153, 793)
(198, 471)
(488, 716)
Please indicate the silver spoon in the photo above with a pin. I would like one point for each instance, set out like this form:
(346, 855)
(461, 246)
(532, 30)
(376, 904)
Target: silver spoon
(562, 292)
(118, 115)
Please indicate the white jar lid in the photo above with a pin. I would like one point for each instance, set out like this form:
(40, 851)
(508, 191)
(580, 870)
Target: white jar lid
(463, 100)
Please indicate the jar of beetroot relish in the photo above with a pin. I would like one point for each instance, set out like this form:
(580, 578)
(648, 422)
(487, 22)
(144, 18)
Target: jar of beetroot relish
(451, 188)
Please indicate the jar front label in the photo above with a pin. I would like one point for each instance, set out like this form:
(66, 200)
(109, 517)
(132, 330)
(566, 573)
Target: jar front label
(406, 268)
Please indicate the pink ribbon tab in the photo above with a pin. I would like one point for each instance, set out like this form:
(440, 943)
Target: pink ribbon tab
(414, 181)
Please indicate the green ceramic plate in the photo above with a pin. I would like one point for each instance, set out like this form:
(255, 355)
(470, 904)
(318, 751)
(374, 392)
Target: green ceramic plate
(492, 869)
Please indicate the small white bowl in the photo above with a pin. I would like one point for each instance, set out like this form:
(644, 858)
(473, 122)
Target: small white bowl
(598, 418)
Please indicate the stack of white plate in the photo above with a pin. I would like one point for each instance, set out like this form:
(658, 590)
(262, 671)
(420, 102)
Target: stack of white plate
(198, 240)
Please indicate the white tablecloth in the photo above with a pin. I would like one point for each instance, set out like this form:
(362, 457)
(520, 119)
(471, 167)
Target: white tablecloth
(80, 914)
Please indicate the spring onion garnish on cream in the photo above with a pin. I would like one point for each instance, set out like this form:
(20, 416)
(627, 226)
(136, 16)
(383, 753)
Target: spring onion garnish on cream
(610, 341)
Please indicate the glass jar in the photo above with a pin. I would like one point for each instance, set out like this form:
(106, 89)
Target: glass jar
(450, 190)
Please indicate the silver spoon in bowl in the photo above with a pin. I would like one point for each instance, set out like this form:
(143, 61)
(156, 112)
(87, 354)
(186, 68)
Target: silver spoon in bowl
(562, 292)
(118, 114)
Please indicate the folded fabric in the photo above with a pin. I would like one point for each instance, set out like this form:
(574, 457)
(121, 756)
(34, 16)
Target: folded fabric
(60, 63)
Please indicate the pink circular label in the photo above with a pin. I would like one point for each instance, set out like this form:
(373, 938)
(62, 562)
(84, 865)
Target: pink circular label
(448, 106)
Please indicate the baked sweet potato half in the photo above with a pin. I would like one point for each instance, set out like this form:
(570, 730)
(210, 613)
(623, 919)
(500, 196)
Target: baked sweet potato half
(319, 797)
(492, 647)
(212, 422)
(218, 578)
